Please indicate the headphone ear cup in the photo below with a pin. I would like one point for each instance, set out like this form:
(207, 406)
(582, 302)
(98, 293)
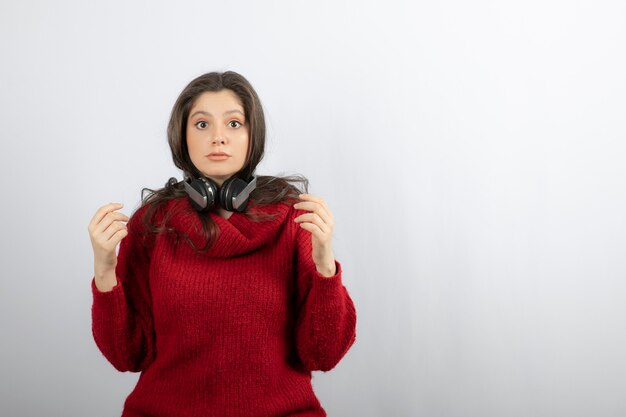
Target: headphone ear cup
(208, 188)
(229, 190)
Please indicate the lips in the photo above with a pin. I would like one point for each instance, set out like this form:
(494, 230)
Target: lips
(218, 156)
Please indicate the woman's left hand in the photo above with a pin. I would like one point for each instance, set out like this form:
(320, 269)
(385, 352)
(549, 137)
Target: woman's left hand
(320, 223)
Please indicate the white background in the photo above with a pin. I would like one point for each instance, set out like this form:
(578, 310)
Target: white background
(473, 154)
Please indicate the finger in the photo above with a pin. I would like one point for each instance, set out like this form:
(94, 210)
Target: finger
(315, 230)
(311, 197)
(318, 200)
(108, 220)
(312, 206)
(315, 219)
(317, 208)
(115, 227)
(112, 243)
(102, 211)
(116, 238)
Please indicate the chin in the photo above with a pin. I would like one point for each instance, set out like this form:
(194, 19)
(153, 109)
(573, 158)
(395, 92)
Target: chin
(221, 173)
(217, 171)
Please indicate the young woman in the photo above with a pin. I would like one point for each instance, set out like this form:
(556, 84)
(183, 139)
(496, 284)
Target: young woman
(225, 293)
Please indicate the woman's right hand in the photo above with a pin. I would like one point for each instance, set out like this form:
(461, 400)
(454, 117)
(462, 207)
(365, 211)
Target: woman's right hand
(106, 230)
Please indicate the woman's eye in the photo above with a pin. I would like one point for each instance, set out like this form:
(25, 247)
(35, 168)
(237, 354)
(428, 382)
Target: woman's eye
(234, 121)
(201, 125)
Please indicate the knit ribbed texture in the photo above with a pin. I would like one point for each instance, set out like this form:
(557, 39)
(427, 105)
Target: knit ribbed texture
(235, 331)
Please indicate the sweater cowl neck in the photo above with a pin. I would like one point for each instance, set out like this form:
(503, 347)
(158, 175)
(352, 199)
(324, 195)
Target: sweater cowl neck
(237, 235)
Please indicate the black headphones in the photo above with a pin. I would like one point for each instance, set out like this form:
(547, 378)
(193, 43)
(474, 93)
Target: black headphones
(204, 193)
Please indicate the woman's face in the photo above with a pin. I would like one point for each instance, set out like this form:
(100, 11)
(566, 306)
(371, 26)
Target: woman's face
(217, 124)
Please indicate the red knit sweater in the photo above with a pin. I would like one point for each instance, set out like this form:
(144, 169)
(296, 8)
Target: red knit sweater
(235, 331)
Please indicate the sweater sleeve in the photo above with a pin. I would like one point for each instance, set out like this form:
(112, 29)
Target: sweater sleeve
(326, 323)
(122, 322)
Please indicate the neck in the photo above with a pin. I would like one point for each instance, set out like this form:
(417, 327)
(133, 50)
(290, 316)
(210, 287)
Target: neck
(223, 213)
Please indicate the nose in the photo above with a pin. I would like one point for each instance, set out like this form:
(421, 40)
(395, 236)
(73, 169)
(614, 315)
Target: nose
(218, 137)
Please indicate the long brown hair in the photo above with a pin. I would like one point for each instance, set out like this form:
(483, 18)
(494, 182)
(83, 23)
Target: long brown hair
(269, 189)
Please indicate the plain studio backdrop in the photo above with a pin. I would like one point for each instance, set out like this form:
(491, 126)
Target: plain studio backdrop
(473, 155)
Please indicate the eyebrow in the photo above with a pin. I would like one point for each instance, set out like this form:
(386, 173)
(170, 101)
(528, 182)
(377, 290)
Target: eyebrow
(209, 114)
